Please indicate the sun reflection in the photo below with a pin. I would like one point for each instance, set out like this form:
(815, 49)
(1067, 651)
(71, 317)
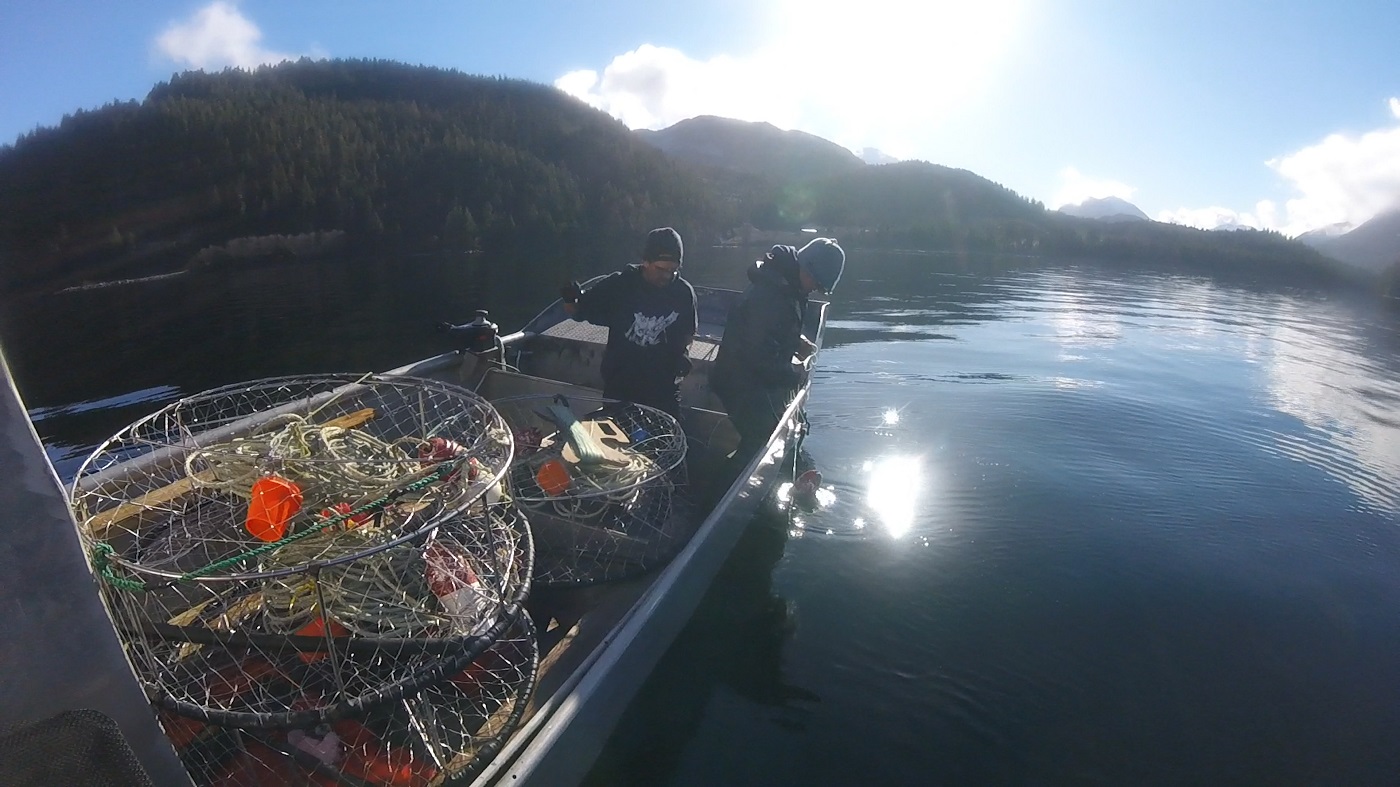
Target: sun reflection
(893, 491)
(809, 500)
(890, 417)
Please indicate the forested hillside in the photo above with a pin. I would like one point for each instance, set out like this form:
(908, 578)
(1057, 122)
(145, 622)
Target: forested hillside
(383, 151)
(291, 159)
(752, 148)
(921, 206)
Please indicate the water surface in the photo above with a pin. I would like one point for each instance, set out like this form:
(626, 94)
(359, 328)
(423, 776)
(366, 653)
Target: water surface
(1089, 526)
(1082, 525)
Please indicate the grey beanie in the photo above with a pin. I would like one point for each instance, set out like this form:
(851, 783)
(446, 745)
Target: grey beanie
(663, 245)
(823, 259)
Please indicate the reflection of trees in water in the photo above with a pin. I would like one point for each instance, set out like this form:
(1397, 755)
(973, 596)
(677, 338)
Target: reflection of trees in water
(223, 325)
(735, 640)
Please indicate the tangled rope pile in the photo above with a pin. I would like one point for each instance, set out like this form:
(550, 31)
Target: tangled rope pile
(384, 593)
(594, 490)
(330, 463)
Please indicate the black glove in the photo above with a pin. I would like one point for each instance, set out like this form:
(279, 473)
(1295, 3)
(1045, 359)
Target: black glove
(570, 292)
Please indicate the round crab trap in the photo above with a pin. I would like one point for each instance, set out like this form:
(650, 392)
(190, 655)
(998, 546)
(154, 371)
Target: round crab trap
(445, 734)
(299, 550)
(597, 480)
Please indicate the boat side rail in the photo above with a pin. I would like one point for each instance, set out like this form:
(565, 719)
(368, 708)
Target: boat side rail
(553, 747)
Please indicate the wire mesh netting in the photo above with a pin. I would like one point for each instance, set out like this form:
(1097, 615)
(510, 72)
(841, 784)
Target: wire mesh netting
(444, 734)
(300, 550)
(598, 481)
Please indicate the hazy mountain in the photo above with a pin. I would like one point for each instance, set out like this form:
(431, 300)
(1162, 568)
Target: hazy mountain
(1322, 235)
(1106, 209)
(752, 148)
(876, 156)
(937, 200)
(1373, 246)
(1230, 224)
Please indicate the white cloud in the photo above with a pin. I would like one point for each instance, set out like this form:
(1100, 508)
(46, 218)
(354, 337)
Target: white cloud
(216, 36)
(1341, 181)
(879, 73)
(1075, 187)
(653, 87)
(1213, 218)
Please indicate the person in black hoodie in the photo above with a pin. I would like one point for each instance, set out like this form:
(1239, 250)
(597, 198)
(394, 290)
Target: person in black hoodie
(650, 314)
(754, 374)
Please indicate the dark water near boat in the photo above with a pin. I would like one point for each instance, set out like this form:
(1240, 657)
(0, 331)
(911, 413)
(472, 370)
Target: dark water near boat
(1082, 525)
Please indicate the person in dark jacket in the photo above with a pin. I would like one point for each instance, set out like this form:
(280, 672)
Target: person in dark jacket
(650, 314)
(754, 373)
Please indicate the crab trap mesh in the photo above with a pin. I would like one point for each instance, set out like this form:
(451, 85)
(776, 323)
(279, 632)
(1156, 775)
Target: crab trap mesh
(299, 550)
(598, 481)
(446, 733)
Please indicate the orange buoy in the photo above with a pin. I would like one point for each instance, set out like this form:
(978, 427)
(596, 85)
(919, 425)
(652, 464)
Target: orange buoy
(553, 478)
(274, 502)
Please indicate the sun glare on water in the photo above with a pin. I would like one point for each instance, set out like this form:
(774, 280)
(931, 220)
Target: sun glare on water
(893, 490)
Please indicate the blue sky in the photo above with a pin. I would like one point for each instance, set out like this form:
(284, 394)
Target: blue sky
(1274, 114)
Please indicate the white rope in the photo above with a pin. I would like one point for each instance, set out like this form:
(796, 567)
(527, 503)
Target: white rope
(330, 464)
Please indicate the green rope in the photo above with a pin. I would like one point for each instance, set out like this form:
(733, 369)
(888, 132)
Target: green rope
(102, 551)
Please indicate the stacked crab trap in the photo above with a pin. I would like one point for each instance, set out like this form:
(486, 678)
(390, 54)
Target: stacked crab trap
(318, 579)
(597, 480)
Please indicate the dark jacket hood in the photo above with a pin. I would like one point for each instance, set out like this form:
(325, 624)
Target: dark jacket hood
(778, 268)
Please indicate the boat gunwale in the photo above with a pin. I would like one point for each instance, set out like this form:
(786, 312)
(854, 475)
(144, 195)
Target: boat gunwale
(527, 753)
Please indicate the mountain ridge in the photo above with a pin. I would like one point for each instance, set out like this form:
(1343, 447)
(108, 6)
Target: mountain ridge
(751, 148)
(1105, 209)
(431, 159)
(1373, 246)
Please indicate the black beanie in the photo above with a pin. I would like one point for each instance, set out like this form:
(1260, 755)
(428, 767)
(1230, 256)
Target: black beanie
(663, 245)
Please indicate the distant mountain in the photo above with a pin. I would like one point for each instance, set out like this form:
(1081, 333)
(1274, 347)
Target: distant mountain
(752, 148)
(1105, 209)
(1230, 224)
(1323, 235)
(931, 199)
(1374, 246)
(771, 177)
(876, 156)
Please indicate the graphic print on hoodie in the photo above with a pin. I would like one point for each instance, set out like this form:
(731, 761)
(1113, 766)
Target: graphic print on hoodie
(647, 331)
(649, 328)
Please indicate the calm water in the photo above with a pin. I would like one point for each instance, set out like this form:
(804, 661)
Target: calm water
(1082, 525)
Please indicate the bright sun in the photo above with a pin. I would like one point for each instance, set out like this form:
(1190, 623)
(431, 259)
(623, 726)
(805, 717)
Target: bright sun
(881, 57)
